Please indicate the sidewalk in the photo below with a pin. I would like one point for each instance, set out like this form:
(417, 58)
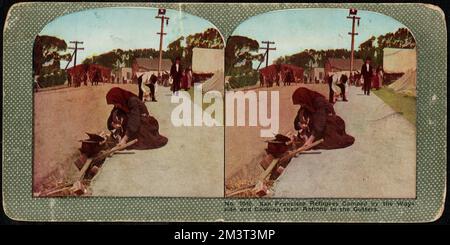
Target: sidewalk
(380, 164)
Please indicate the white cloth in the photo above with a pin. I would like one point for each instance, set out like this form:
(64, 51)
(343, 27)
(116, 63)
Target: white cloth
(334, 81)
(144, 88)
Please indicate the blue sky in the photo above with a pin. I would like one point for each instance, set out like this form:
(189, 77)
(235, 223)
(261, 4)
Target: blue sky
(292, 30)
(127, 28)
(296, 30)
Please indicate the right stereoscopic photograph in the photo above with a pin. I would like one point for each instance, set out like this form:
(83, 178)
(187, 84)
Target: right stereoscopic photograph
(320, 103)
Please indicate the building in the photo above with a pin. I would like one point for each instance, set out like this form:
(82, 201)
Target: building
(342, 65)
(122, 75)
(149, 67)
(98, 73)
(271, 73)
(296, 71)
(88, 73)
(318, 74)
(315, 75)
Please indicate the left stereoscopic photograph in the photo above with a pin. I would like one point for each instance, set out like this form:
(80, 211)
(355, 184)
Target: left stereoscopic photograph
(107, 87)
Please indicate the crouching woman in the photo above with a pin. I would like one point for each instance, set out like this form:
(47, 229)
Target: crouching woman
(133, 121)
(316, 119)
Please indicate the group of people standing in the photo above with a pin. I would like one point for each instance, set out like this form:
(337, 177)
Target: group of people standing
(181, 78)
(372, 78)
(268, 78)
(316, 118)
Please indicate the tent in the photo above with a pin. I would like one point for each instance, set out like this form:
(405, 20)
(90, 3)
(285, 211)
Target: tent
(206, 60)
(209, 61)
(406, 84)
(216, 82)
(402, 62)
(397, 60)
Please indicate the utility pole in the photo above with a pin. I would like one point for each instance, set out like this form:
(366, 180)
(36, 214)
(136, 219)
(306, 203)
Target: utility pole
(266, 54)
(353, 17)
(161, 15)
(76, 48)
(268, 48)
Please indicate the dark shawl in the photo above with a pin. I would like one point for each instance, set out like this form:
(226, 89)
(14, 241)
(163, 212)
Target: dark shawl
(311, 100)
(316, 106)
(132, 118)
(324, 123)
(138, 124)
(119, 98)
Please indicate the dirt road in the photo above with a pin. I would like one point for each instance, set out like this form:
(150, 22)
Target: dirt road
(61, 118)
(191, 164)
(380, 164)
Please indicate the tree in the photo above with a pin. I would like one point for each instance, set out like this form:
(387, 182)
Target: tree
(181, 47)
(240, 53)
(131, 55)
(108, 59)
(47, 52)
(310, 57)
(210, 38)
(367, 48)
(301, 59)
(372, 47)
(175, 49)
(119, 58)
(402, 38)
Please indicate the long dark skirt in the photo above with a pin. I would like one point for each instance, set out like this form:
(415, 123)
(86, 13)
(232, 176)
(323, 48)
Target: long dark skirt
(148, 135)
(335, 136)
